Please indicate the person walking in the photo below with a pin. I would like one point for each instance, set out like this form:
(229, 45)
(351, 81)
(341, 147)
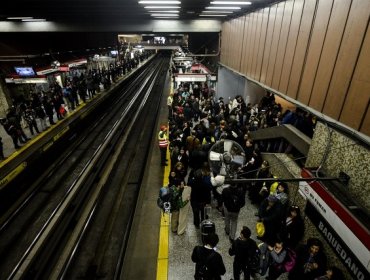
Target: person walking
(208, 262)
(163, 144)
(243, 248)
(234, 199)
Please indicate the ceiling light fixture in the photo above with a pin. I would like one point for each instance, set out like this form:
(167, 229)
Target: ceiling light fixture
(160, 2)
(33, 19)
(212, 15)
(169, 11)
(164, 15)
(230, 3)
(18, 18)
(162, 7)
(219, 12)
(222, 8)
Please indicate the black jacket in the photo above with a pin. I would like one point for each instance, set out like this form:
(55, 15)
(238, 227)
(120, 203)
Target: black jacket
(214, 263)
(243, 250)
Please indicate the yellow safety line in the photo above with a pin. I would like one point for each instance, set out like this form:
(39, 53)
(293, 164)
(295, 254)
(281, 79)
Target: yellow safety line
(162, 261)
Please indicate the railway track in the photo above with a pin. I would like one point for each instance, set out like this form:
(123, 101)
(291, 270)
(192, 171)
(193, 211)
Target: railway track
(76, 220)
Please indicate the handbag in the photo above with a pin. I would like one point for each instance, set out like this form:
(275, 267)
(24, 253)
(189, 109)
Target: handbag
(260, 229)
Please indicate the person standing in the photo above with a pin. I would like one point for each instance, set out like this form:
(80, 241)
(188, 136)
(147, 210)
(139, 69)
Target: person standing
(184, 210)
(243, 248)
(30, 117)
(208, 262)
(2, 157)
(163, 144)
(311, 261)
(234, 199)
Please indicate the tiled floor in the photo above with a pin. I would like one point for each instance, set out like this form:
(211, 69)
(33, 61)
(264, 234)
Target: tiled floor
(181, 247)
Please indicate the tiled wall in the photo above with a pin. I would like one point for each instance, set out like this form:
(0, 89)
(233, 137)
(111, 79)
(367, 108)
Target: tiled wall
(336, 153)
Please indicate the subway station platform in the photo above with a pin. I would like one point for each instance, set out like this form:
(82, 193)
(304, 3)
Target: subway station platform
(153, 251)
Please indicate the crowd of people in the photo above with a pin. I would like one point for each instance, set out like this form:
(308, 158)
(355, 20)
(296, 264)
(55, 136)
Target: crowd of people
(42, 109)
(197, 120)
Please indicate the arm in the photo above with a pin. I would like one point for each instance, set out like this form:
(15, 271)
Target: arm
(278, 258)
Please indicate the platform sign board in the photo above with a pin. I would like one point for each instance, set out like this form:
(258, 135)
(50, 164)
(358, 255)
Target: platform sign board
(346, 236)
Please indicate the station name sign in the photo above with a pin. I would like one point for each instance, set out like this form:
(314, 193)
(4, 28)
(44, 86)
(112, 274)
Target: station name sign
(348, 238)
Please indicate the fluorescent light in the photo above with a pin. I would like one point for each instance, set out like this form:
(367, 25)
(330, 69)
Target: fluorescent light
(160, 2)
(230, 3)
(219, 12)
(162, 7)
(168, 11)
(33, 19)
(164, 15)
(222, 8)
(212, 15)
(19, 18)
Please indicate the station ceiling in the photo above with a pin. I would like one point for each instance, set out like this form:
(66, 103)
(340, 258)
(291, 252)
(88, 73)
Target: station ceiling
(111, 11)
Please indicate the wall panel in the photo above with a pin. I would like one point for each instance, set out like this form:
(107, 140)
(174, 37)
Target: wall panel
(348, 53)
(280, 56)
(275, 42)
(262, 42)
(291, 45)
(239, 42)
(235, 39)
(251, 39)
(329, 53)
(314, 50)
(225, 43)
(268, 42)
(301, 49)
(246, 45)
(259, 17)
(355, 110)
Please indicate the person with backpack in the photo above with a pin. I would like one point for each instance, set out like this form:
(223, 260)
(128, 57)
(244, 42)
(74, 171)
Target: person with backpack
(246, 254)
(209, 264)
(234, 199)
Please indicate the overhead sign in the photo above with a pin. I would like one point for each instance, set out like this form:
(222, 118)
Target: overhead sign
(47, 71)
(42, 80)
(191, 78)
(76, 63)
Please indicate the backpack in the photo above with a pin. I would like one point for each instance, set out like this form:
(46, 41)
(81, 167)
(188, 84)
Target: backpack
(164, 198)
(290, 260)
(254, 259)
(204, 272)
(234, 202)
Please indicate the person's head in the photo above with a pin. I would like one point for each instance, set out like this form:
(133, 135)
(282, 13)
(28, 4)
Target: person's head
(334, 273)
(179, 166)
(282, 187)
(314, 246)
(272, 199)
(249, 142)
(294, 211)
(265, 164)
(163, 128)
(182, 150)
(211, 239)
(246, 232)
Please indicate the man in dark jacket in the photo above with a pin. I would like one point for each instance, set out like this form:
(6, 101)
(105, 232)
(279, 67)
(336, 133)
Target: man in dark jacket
(243, 248)
(208, 263)
(234, 199)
